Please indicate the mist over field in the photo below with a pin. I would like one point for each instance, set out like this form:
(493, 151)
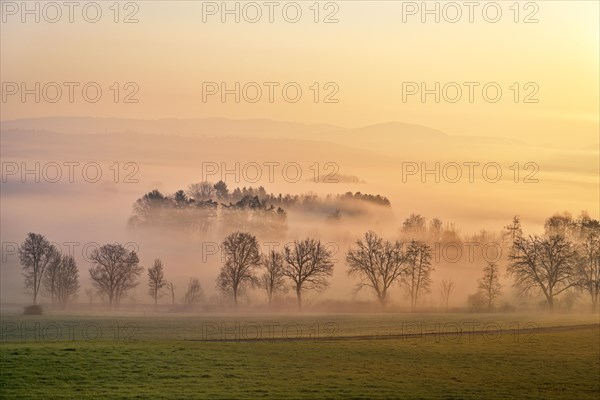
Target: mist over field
(72, 203)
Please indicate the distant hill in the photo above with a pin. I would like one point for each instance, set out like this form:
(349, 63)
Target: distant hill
(390, 138)
(185, 141)
(169, 126)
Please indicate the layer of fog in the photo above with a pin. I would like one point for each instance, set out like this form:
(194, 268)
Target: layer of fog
(97, 213)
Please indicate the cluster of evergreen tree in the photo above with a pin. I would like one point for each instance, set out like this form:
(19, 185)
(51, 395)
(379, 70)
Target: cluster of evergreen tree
(180, 211)
(205, 206)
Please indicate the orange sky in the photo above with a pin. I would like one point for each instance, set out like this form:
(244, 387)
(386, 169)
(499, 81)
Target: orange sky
(369, 53)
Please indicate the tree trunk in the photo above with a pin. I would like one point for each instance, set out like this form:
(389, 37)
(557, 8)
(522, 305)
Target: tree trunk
(155, 302)
(550, 303)
(382, 301)
(235, 299)
(299, 296)
(35, 286)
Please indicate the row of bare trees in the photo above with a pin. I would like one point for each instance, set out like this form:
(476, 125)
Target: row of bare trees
(380, 263)
(47, 271)
(114, 271)
(306, 263)
(565, 257)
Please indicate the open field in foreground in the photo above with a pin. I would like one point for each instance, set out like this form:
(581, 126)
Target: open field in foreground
(445, 356)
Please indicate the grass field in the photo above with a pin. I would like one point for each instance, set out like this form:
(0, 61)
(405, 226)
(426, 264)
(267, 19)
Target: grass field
(409, 356)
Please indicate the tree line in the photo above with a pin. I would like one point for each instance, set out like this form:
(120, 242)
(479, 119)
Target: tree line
(565, 257)
(205, 206)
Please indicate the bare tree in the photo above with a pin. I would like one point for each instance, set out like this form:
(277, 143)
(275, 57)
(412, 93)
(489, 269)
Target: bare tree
(588, 267)
(561, 224)
(242, 256)
(308, 265)
(446, 289)
(50, 278)
(201, 191)
(414, 225)
(194, 292)
(36, 253)
(545, 263)
(378, 263)
(436, 228)
(171, 288)
(115, 270)
(272, 280)
(489, 284)
(67, 280)
(476, 302)
(418, 278)
(514, 230)
(156, 281)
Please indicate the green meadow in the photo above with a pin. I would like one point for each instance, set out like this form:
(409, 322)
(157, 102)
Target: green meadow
(408, 356)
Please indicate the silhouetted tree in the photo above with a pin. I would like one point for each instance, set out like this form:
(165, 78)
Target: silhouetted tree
(378, 263)
(115, 270)
(561, 224)
(584, 225)
(446, 289)
(61, 280)
(67, 280)
(477, 302)
(221, 190)
(202, 191)
(50, 278)
(414, 226)
(546, 263)
(180, 199)
(588, 267)
(489, 284)
(418, 277)
(272, 280)
(156, 281)
(194, 292)
(171, 288)
(436, 228)
(308, 265)
(514, 230)
(36, 254)
(149, 210)
(242, 256)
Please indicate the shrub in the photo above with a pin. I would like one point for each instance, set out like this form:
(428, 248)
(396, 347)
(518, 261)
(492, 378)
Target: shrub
(33, 310)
